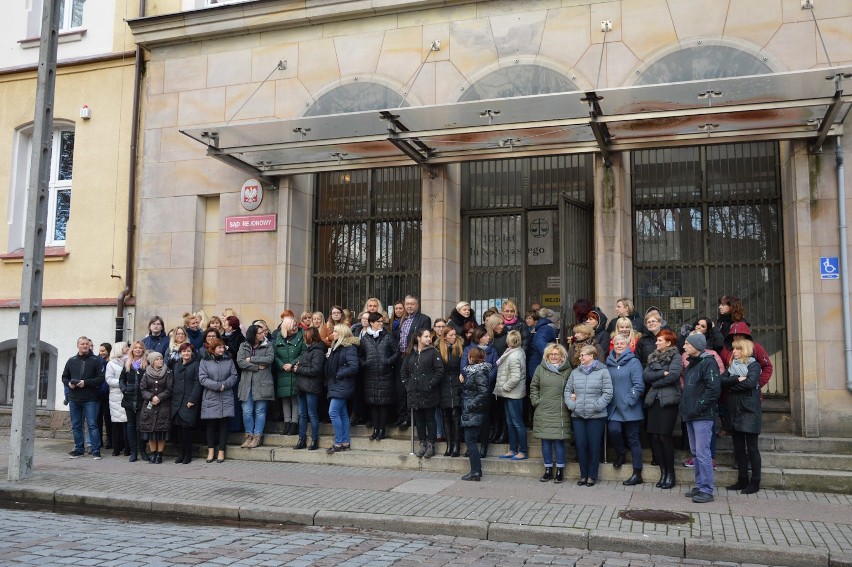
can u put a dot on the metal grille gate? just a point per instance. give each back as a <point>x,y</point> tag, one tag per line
<point>707,222</point>
<point>367,236</point>
<point>506,204</point>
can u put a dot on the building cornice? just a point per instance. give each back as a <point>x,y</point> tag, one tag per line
<point>261,15</point>
<point>121,57</point>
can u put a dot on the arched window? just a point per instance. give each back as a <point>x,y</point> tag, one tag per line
<point>356,97</point>
<point>518,80</point>
<point>702,62</point>
<point>46,373</point>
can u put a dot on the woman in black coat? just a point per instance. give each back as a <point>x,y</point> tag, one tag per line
<point>742,380</point>
<point>451,349</point>
<point>422,372</point>
<point>475,392</point>
<point>378,353</point>
<point>131,399</point>
<point>341,371</point>
<point>186,398</point>
<point>155,418</point>
<point>310,374</point>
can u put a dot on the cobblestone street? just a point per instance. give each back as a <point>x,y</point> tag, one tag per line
<point>45,538</point>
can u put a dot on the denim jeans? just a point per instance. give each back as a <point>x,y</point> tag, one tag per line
<point>515,424</point>
<point>254,415</point>
<point>631,428</point>
<point>339,420</point>
<point>588,433</point>
<point>89,411</point>
<point>308,404</point>
<point>700,434</point>
<point>550,446</point>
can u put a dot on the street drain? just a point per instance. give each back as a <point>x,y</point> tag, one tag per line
<point>655,516</point>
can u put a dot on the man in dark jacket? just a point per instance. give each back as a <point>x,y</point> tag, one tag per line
<point>83,375</point>
<point>404,335</point>
<point>698,403</point>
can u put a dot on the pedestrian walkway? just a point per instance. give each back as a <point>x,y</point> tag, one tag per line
<point>772,527</point>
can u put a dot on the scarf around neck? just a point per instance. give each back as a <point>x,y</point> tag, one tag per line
<point>739,368</point>
<point>154,373</point>
<point>589,368</point>
<point>663,357</point>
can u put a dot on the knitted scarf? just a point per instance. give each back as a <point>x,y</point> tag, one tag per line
<point>664,357</point>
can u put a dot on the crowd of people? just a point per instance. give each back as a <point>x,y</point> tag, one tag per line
<point>461,380</point>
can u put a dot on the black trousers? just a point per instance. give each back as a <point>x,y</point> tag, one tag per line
<point>379,416</point>
<point>217,433</point>
<point>746,452</point>
<point>424,420</point>
<point>471,434</point>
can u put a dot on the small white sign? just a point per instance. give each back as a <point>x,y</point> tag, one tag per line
<point>539,238</point>
<point>251,194</point>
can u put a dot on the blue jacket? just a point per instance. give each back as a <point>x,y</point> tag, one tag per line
<point>160,343</point>
<point>545,333</point>
<point>490,357</point>
<point>341,369</point>
<point>628,384</point>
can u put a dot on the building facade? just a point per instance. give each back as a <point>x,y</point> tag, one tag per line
<point>539,151</point>
<point>87,232</point>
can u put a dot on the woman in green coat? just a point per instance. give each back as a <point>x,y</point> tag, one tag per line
<point>551,421</point>
<point>289,346</point>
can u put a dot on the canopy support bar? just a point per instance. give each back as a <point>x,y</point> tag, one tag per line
<point>599,129</point>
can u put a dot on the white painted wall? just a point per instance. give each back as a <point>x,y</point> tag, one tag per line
<point>98,21</point>
<point>61,326</point>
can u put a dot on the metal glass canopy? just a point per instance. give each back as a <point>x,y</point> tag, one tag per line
<point>803,104</point>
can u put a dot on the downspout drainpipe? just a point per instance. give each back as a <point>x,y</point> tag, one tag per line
<point>844,266</point>
<point>131,192</point>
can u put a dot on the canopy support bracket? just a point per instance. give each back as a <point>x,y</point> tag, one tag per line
<point>830,115</point>
<point>599,129</point>
<point>413,148</point>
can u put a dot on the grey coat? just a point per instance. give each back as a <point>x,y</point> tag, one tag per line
<point>259,382</point>
<point>213,373</point>
<point>512,375</point>
<point>661,386</point>
<point>594,392</point>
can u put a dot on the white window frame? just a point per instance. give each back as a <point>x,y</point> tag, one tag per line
<point>20,179</point>
<point>68,13</point>
<point>210,3</point>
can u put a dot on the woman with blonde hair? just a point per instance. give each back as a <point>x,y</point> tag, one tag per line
<point>511,386</point>
<point>624,327</point>
<point>177,337</point>
<point>117,413</point>
<point>341,370</point>
<point>451,349</point>
<point>318,323</point>
<point>551,421</point>
<point>131,398</point>
<point>742,380</point>
<point>192,327</point>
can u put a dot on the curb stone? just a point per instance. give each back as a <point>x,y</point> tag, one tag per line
<point>87,499</point>
<point>539,535</point>
<point>637,543</point>
<point>406,524</point>
<point>277,515</point>
<point>741,552</point>
<point>840,560</point>
<point>188,508</point>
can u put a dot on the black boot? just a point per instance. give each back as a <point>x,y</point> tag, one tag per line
<point>375,434</point>
<point>548,474</point>
<point>752,487</point>
<point>474,476</point>
<point>741,483</point>
<point>159,458</point>
<point>483,451</point>
<point>314,444</point>
<point>560,475</point>
<point>619,460</point>
<point>382,434</point>
<point>179,460</point>
<point>669,481</point>
<point>662,478</point>
<point>502,434</point>
<point>635,479</point>
<point>448,433</point>
<point>301,444</point>
<point>143,455</point>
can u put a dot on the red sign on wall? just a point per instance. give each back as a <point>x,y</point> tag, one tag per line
<point>251,223</point>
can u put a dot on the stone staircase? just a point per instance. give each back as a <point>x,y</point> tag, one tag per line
<point>789,462</point>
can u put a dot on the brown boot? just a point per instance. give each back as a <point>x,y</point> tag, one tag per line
<point>255,441</point>
<point>247,443</point>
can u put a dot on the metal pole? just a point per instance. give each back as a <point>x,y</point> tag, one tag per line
<point>32,279</point>
<point>844,258</point>
<point>411,417</point>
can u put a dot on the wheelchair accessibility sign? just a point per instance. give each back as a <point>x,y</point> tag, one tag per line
<point>829,268</point>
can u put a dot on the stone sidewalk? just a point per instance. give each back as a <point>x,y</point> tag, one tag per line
<point>772,527</point>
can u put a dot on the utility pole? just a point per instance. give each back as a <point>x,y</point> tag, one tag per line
<point>22,438</point>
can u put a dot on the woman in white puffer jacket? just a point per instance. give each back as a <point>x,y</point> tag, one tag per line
<point>117,358</point>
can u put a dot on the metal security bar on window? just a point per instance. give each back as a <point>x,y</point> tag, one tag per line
<point>368,236</point>
<point>707,222</point>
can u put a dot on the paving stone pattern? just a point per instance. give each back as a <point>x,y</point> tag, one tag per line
<point>48,539</point>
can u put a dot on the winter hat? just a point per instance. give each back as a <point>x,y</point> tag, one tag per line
<point>698,341</point>
<point>153,355</point>
<point>461,304</point>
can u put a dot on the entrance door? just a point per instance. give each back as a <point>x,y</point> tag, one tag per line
<point>576,263</point>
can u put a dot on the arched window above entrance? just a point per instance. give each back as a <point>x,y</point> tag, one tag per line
<point>356,97</point>
<point>518,80</point>
<point>702,62</point>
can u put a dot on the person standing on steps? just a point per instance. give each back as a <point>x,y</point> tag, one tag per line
<point>742,381</point>
<point>378,354</point>
<point>475,393</point>
<point>410,323</point>
<point>186,401</point>
<point>625,410</point>
<point>257,387</point>
<point>701,389</point>
<point>422,372</point>
<point>451,350</point>
<point>662,384</point>
<point>551,420</point>
<point>217,375</point>
<point>288,347</point>
<point>341,371</point>
<point>511,386</point>
<point>310,375</point>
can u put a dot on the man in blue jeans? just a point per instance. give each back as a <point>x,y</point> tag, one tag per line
<point>698,404</point>
<point>83,376</point>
